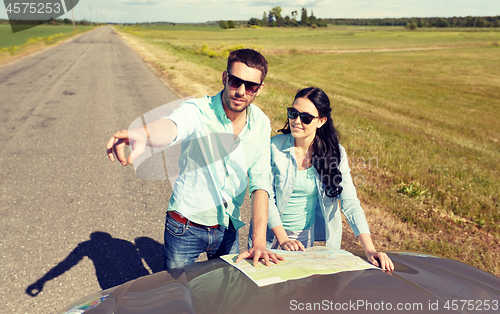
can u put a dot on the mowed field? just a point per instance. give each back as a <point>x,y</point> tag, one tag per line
<point>418,112</point>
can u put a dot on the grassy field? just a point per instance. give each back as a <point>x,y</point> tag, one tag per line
<point>320,39</point>
<point>13,45</point>
<point>9,39</point>
<point>418,112</point>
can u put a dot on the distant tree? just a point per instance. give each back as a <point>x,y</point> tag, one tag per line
<point>276,12</point>
<point>275,15</point>
<point>270,17</point>
<point>467,22</point>
<point>322,23</point>
<point>420,23</point>
<point>265,20</point>
<point>230,24</point>
<point>411,25</point>
<point>254,21</point>
<point>288,21</point>
<point>223,24</point>
<point>293,21</point>
<point>280,21</point>
<point>313,20</point>
<point>442,23</point>
<point>496,23</point>
<point>481,22</point>
<point>304,20</point>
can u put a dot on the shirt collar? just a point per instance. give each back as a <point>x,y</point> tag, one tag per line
<point>221,114</point>
<point>288,145</point>
<point>218,108</point>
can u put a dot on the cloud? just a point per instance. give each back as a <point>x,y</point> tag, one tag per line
<point>139,2</point>
<point>212,1</point>
<point>261,3</point>
<point>289,3</point>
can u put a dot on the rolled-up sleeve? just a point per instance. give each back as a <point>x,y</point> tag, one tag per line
<point>274,218</point>
<point>186,118</point>
<point>259,172</point>
<point>349,202</point>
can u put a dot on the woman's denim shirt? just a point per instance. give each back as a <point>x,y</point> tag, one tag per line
<point>328,220</point>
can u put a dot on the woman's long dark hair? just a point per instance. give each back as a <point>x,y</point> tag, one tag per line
<point>326,149</point>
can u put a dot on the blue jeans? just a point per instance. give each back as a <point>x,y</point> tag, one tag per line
<point>184,242</point>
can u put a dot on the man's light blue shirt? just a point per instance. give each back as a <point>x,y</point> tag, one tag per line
<point>215,168</point>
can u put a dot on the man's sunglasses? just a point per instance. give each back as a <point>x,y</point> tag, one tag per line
<point>305,117</point>
<point>235,82</point>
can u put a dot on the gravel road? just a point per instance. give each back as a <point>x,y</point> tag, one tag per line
<point>72,222</point>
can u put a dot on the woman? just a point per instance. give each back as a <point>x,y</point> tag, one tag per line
<point>310,177</point>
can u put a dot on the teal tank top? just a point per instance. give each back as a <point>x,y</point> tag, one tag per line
<point>299,214</point>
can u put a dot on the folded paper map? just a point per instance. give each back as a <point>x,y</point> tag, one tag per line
<point>297,264</point>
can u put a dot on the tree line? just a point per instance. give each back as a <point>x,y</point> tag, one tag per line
<point>413,23</point>
<point>274,18</point>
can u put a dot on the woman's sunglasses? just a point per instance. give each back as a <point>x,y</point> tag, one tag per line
<point>235,82</point>
<point>305,117</point>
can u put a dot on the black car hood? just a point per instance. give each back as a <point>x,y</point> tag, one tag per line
<point>420,283</point>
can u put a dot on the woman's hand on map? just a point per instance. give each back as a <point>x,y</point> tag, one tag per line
<point>293,245</point>
<point>380,259</point>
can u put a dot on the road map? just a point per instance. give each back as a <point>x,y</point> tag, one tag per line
<point>297,264</point>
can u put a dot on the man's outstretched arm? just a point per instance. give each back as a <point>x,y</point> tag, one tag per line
<point>260,206</point>
<point>160,132</point>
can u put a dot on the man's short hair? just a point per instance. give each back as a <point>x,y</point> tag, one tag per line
<point>251,58</point>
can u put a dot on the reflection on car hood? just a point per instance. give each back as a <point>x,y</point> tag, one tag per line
<point>420,283</point>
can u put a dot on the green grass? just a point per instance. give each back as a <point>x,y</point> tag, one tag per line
<point>13,45</point>
<point>9,39</point>
<point>320,39</point>
<point>421,127</point>
<point>428,116</point>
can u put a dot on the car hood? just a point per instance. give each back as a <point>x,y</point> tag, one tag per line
<point>420,283</point>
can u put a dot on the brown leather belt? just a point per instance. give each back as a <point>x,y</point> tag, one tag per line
<point>175,216</point>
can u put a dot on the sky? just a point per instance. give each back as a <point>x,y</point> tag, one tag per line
<point>196,11</point>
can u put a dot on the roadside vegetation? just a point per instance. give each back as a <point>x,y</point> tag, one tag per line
<point>418,113</point>
<point>14,45</point>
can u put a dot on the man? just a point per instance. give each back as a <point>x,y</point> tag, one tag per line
<point>224,143</point>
